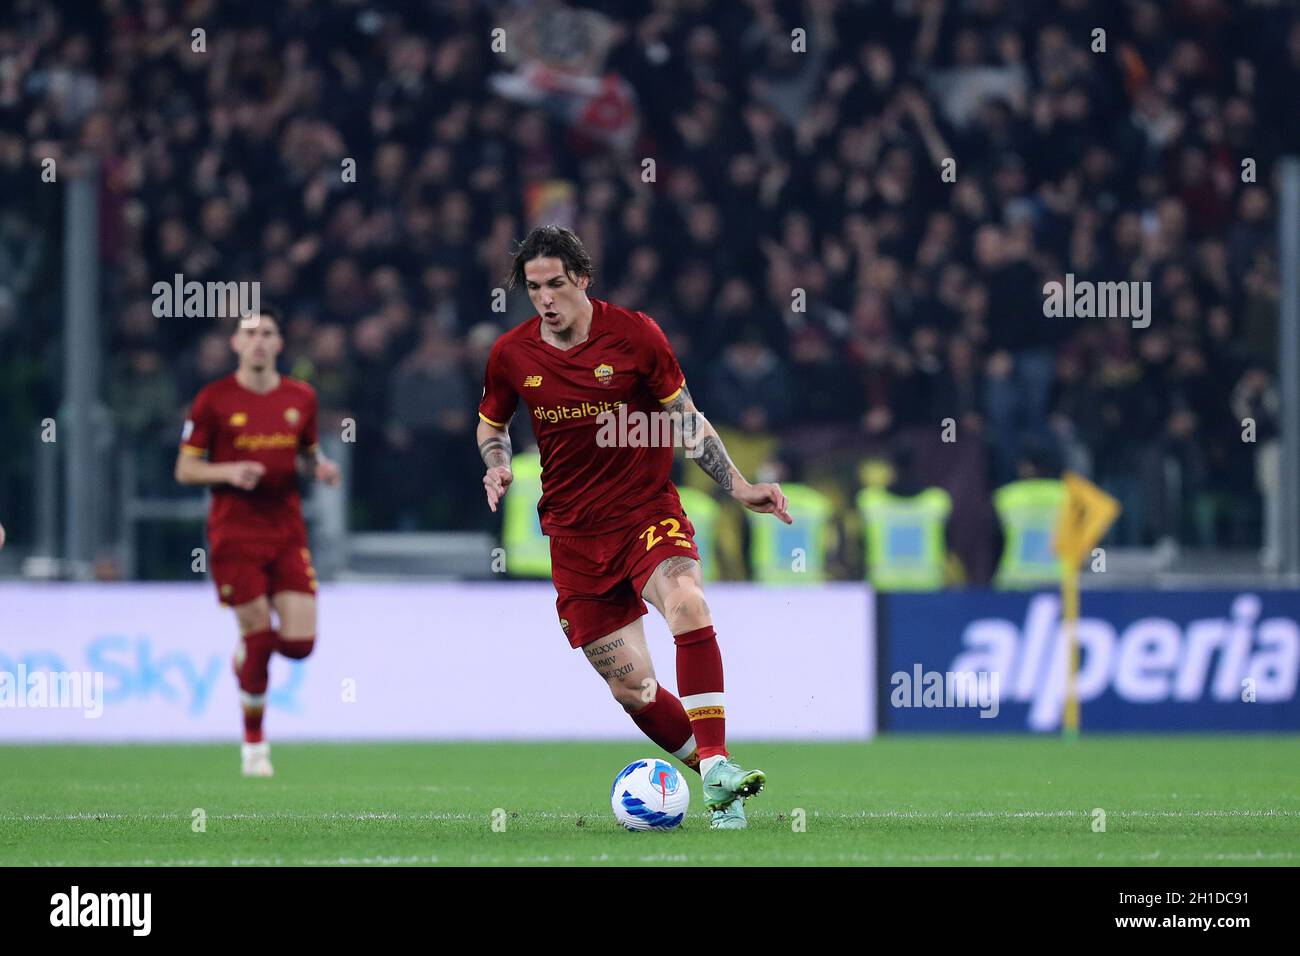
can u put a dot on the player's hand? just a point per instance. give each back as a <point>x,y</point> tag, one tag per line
<point>327,471</point>
<point>766,498</point>
<point>496,481</point>
<point>245,474</point>
<point>2,536</point>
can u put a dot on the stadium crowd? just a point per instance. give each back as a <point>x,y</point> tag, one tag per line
<point>825,284</point>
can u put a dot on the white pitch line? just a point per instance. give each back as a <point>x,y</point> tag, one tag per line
<point>1014,814</point>
<point>269,815</point>
<point>547,815</point>
<point>781,859</point>
<point>697,858</point>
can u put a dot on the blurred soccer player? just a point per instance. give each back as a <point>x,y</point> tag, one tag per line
<point>257,429</point>
<point>618,534</point>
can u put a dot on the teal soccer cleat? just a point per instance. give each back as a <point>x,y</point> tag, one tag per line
<point>730,817</point>
<point>726,781</point>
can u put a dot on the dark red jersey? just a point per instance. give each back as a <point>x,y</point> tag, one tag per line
<point>228,422</point>
<point>589,488</point>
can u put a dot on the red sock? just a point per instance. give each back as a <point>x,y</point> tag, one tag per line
<point>665,722</point>
<point>253,669</point>
<point>295,647</point>
<point>699,681</point>
<point>253,724</point>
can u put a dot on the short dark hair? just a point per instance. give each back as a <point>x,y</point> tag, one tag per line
<point>544,242</point>
<point>268,309</point>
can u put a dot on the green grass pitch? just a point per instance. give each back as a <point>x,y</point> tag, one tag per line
<point>898,800</point>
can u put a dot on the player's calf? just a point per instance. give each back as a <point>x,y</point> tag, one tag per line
<point>622,659</point>
<point>664,721</point>
<point>252,671</point>
<point>633,690</point>
<point>676,589</point>
<point>252,661</point>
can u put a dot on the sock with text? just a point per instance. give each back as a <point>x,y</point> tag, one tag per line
<point>665,722</point>
<point>699,681</point>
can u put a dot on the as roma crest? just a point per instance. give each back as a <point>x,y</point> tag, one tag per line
<point>604,374</point>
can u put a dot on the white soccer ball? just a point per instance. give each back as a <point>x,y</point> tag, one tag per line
<point>649,794</point>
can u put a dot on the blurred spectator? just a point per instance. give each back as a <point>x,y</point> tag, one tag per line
<point>917,175</point>
<point>750,389</point>
<point>1255,405</point>
<point>431,404</point>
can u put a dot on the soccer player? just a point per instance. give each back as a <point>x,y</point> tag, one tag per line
<point>618,534</point>
<point>257,429</point>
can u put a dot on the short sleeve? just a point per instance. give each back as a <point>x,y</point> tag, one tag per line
<point>663,375</point>
<point>307,438</point>
<point>499,399</point>
<point>200,426</point>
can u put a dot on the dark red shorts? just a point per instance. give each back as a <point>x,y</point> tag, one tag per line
<point>246,570</point>
<point>598,579</point>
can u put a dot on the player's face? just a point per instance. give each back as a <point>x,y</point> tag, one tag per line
<point>557,297</point>
<point>259,345</point>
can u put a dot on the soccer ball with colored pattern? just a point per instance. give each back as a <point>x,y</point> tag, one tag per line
<point>649,794</point>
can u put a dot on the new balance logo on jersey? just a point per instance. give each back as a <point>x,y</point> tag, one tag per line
<point>532,381</point>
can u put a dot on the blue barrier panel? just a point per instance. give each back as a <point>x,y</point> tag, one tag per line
<point>1149,661</point>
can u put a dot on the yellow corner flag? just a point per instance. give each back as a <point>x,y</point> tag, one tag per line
<point>1089,512</point>
<point>1087,516</point>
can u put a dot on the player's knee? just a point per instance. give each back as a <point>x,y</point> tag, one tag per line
<point>254,616</point>
<point>630,691</point>
<point>686,608</point>
<point>296,647</point>
<point>627,700</point>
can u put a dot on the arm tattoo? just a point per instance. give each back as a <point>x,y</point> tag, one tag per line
<point>678,404</point>
<point>306,465</point>
<point>495,451</point>
<point>713,461</point>
<point>708,452</point>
